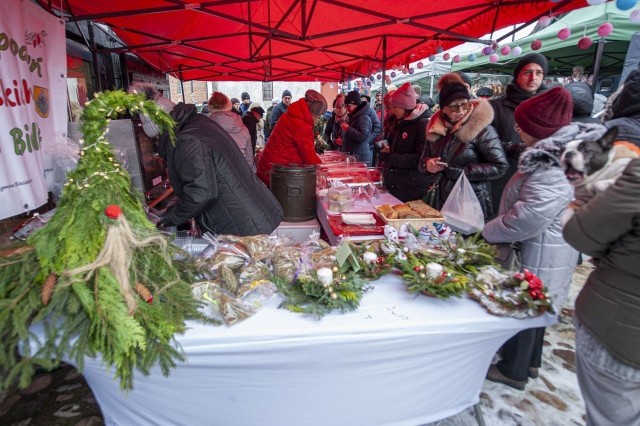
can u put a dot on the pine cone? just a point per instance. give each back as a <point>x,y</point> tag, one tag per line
<point>48,287</point>
<point>144,293</point>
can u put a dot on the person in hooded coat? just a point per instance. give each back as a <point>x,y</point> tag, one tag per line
<point>292,140</point>
<point>405,146</point>
<point>221,113</point>
<point>582,96</point>
<point>214,183</point>
<point>625,110</point>
<point>460,139</point>
<point>531,213</point>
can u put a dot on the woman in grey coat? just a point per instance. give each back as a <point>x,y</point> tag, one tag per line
<point>531,208</point>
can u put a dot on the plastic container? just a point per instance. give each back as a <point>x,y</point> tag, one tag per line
<point>340,206</point>
<point>342,193</point>
<point>294,186</point>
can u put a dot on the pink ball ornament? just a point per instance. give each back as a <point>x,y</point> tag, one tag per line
<point>446,56</point>
<point>584,43</point>
<point>387,80</point>
<point>457,59</point>
<point>605,29</point>
<point>536,44</point>
<point>625,4</point>
<point>564,33</point>
<point>635,17</point>
<point>487,50</point>
<point>544,21</point>
<point>505,50</point>
<point>405,70</point>
<point>420,65</point>
<point>494,58</point>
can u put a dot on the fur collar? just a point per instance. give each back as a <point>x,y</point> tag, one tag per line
<point>480,116</point>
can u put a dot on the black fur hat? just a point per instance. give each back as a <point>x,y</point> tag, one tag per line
<point>626,103</point>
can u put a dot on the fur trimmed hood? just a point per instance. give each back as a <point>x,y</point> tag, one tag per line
<point>546,152</point>
<point>467,129</point>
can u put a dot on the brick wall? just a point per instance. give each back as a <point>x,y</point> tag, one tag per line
<point>195,92</point>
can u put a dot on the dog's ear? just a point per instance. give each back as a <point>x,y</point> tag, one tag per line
<point>607,140</point>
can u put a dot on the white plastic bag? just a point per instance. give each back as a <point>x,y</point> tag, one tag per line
<point>462,210</point>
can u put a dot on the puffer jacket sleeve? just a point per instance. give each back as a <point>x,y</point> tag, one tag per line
<point>376,126</point>
<point>412,160</point>
<point>608,216</point>
<point>540,199</point>
<point>191,162</point>
<point>359,128</point>
<point>494,162</point>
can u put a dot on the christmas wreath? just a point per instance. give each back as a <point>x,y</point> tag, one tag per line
<point>98,277</point>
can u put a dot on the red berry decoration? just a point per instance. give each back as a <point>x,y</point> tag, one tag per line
<point>416,268</point>
<point>113,211</point>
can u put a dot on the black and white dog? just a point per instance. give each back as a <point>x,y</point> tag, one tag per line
<point>593,165</point>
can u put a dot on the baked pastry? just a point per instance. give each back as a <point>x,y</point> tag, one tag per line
<point>387,211</point>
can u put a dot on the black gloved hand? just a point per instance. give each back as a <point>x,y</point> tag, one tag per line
<point>453,172</point>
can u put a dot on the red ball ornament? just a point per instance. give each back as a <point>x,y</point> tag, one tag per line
<point>605,29</point>
<point>536,44</point>
<point>420,65</point>
<point>584,43</point>
<point>505,50</point>
<point>113,211</point>
<point>446,56</point>
<point>564,33</point>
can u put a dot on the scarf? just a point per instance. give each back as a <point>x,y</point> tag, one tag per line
<point>517,95</point>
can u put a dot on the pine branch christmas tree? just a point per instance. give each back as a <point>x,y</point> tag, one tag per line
<point>100,277</point>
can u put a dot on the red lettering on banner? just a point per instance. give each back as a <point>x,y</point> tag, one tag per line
<point>20,94</point>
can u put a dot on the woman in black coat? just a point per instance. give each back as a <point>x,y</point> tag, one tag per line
<point>460,139</point>
<point>406,140</point>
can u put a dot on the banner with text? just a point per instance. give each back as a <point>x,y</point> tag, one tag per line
<point>32,101</point>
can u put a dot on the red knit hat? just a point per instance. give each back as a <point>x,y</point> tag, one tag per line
<point>404,97</point>
<point>542,115</point>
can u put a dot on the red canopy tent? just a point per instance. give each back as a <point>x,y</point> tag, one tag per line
<point>297,40</point>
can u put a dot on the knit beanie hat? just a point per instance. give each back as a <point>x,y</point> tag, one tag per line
<point>544,114</point>
<point>451,87</point>
<point>626,103</point>
<point>235,101</point>
<point>404,97</point>
<point>353,98</point>
<point>316,102</point>
<point>245,95</point>
<point>219,101</point>
<point>286,93</point>
<point>465,78</point>
<point>531,58</point>
<point>484,91</point>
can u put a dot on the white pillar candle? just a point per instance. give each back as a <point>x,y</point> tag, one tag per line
<point>370,257</point>
<point>434,270</point>
<point>325,276</point>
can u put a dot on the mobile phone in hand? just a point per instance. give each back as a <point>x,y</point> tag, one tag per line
<point>440,163</point>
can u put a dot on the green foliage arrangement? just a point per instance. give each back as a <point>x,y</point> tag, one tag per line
<point>417,278</point>
<point>82,303</point>
<point>469,254</point>
<point>309,295</point>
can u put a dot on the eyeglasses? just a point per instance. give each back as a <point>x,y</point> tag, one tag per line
<point>456,107</point>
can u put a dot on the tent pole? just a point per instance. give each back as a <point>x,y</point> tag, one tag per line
<point>596,64</point>
<point>182,90</point>
<point>384,74</point>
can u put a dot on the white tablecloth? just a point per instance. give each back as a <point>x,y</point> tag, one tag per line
<point>400,359</point>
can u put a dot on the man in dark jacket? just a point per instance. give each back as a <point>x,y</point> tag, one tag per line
<point>246,103</point>
<point>376,125</point>
<point>213,181</point>
<point>528,76</point>
<point>250,121</point>
<point>280,109</point>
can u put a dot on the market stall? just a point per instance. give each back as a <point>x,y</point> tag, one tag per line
<point>400,359</point>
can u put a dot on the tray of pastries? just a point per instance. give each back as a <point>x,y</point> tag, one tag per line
<point>416,213</point>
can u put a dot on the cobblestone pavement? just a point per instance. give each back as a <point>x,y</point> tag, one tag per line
<point>63,398</point>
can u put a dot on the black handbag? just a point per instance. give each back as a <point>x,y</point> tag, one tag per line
<point>509,256</point>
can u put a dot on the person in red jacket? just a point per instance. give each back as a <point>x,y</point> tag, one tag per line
<point>291,140</point>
